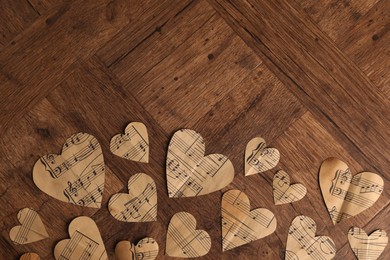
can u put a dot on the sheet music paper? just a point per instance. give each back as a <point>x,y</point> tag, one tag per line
<point>240,225</point>
<point>85,242</point>
<point>139,205</point>
<point>133,144</point>
<point>367,247</point>
<point>30,256</point>
<point>189,172</point>
<point>259,158</point>
<point>284,192</point>
<point>183,240</point>
<point>76,175</point>
<point>303,244</point>
<point>146,249</point>
<point>30,230</point>
<point>346,196</point>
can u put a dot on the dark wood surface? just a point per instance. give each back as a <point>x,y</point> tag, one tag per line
<point>311,77</point>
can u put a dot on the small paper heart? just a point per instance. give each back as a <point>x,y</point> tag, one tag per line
<point>147,248</point>
<point>284,192</point>
<point>367,247</point>
<point>30,256</point>
<point>259,158</point>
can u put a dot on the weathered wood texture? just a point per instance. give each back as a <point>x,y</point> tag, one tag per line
<point>311,77</point>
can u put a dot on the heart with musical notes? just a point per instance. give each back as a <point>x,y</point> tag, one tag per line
<point>139,205</point>
<point>184,240</point>
<point>189,172</point>
<point>240,225</point>
<point>76,175</point>
<point>133,144</point>
<point>259,158</point>
<point>284,192</point>
<point>367,247</point>
<point>30,256</point>
<point>147,248</point>
<point>303,244</point>
<point>345,195</point>
<point>85,241</point>
<point>30,230</point>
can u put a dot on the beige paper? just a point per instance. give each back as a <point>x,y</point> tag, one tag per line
<point>258,158</point>
<point>139,205</point>
<point>240,225</point>
<point>183,240</point>
<point>133,145</point>
<point>146,249</point>
<point>30,230</point>
<point>303,244</point>
<point>367,247</point>
<point>189,172</point>
<point>284,192</point>
<point>85,242</point>
<point>346,196</point>
<point>30,256</point>
<point>77,175</point>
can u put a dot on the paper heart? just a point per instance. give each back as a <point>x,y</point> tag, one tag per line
<point>367,247</point>
<point>346,196</point>
<point>77,175</point>
<point>284,192</point>
<point>189,172</point>
<point>147,248</point>
<point>183,240</point>
<point>30,230</point>
<point>303,244</point>
<point>133,145</point>
<point>85,241</point>
<point>139,205</point>
<point>258,158</point>
<point>30,256</point>
<point>240,225</point>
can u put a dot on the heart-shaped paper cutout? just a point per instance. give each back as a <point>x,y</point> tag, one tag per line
<point>133,144</point>
<point>284,192</point>
<point>189,172</point>
<point>183,240</point>
<point>85,241</point>
<point>303,244</point>
<point>240,225</point>
<point>77,175</point>
<point>259,158</point>
<point>346,196</point>
<point>367,247</point>
<point>139,205</point>
<point>30,230</point>
<point>147,248</point>
<point>30,256</point>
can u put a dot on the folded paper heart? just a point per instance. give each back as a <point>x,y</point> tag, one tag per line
<point>77,175</point>
<point>367,247</point>
<point>284,192</point>
<point>139,205</point>
<point>147,248</point>
<point>240,225</point>
<point>346,196</point>
<point>183,240</point>
<point>303,244</point>
<point>133,144</point>
<point>85,241</point>
<point>259,158</point>
<point>189,172</point>
<point>30,256</point>
<point>30,230</point>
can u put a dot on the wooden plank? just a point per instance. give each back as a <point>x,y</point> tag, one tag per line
<point>43,6</point>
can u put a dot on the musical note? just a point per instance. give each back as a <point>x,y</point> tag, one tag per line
<point>367,247</point>
<point>284,192</point>
<point>258,158</point>
<point>146,249</point>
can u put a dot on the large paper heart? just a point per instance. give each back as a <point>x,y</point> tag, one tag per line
<point>303,244</point>
<point>30,256</point>
<point>139,205</point>
<point>240,225</point>
<point>259,158</point>
<point>133,144</point>
<point>77,175</point>
<point>189,172</point>
<point>367,247</point>
<point>183,240</point>
<point>346,196</point>
<point>146,249</point>
<point>30,230</point>
<point>284,192</point>
<point>85,241</point>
